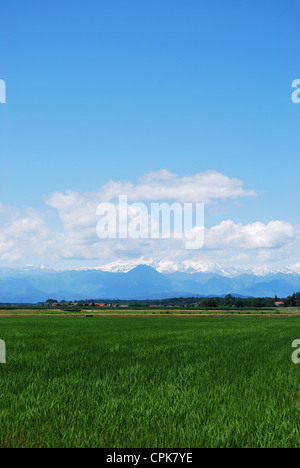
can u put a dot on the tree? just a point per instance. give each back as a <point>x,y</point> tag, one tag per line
<point>209,303</point>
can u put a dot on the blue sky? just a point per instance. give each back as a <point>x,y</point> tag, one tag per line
<point>113,90</point>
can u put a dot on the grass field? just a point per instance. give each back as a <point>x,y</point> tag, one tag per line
<point>158,383</point>
<point>293,312</point>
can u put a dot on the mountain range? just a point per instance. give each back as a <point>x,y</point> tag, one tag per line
<point>192,266</point>
<point>30,284</point>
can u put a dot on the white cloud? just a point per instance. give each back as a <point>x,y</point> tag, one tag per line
<point>22,233</point>
<point>204,187</point>
<point>252,236</point>
<point>77,210</point>
<point>28,234</point>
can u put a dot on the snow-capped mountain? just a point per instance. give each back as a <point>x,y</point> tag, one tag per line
<point>164,266</point>
<point>292,269</point>
<point>34,268</point>
<point>144,281</point>
<point>192,267</point>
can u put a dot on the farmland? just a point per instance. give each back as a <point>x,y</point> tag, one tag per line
<point>107,312</point>
<point>157,382</point>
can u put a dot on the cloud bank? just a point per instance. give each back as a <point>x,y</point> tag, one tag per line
<point>30,235</point>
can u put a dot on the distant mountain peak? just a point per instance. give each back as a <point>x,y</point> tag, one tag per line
<point>143,280</point>
<point>143,268</point>
<point>192,267</point>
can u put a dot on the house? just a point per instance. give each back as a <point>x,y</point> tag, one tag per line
<point>279,304</point>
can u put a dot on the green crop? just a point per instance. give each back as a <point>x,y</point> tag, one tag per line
<point>153,382</point>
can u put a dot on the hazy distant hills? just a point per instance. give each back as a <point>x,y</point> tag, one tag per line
<point>142,282</point>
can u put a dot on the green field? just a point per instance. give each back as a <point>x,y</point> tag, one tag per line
<point>157,382</point>
<point>27,311</point>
